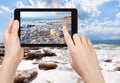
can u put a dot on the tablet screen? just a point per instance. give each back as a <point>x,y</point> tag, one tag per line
<point>44,27</point>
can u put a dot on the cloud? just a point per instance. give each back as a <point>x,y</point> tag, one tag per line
<point>45,14</point>
<point>20,4</point>
<point>118,15</point>
<point>46,3</point>
<point>86,8</point>
<point>119,4</point>
<point>0,12</point>
<point>111,23</point>
<point>6,9</point>
<point>1,37</point>
<point>103,33</point>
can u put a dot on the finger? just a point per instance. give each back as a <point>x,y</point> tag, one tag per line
<point>8,30</point>
<point>15,28</point>
<point>76,39</point>
<point>83,40</point>
<point>70,57</point>
<point>68,39</point>
<point>89,43</point>
<point>21,53</point>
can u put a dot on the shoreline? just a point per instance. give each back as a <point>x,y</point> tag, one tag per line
<point>109,61</point>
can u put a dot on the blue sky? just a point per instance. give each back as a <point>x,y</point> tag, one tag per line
<point>98,19</point>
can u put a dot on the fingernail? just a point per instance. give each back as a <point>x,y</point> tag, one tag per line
<point>16,22</point>
<point>64,26</point>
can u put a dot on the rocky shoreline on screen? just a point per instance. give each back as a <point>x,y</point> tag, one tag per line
<point>48,33</point>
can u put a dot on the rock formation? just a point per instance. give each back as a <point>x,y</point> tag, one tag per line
<point>46,65</point>
<point>25,76</point>
<point>39,54</point>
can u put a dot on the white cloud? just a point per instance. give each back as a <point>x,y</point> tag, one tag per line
<point>32,2</point>
<point>34,14</point>
<point>119,4</point>
<point>86,8</point>
<point>19,4</point>
<point>44,14</point>
<point>100,32</point>
<point>0,12</point>
<point>1,37</point>
<point>118,15</point>
<point>111,23</point>
<point>46,3</point>
<point>6,9</point>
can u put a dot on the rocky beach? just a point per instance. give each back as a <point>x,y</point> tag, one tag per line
<point>44,31</point>
<point>51,65</point>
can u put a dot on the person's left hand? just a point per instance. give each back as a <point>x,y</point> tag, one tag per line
<point>13,53</point>
<point>13,50</point>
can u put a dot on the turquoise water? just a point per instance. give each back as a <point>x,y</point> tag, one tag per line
<point>116,42</point>
<point>37,19</point>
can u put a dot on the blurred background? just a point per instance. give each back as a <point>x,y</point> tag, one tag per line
<point>98,20</point>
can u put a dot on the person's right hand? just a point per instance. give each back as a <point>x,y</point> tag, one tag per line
<point>83,58</point>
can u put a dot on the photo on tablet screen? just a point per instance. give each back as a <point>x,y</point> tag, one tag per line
<point>44,27</point>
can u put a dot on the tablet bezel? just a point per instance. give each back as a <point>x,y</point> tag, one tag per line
<point>73,23</point>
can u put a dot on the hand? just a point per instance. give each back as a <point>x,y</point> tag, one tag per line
<point>13,51</point>
<point>83,58</point>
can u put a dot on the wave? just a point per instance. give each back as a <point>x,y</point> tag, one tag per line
<point>107,46</point>
<point>116,42</point>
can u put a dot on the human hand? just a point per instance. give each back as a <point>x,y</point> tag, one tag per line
<point>13,50</point>
<point>13,53</point>
<point>83,58</point>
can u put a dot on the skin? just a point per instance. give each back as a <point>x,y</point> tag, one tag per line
<point>13,53</point>
<point>81,52</point>
<point>83,58</point>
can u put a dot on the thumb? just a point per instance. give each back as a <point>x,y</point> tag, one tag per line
<point>21,55</point>
<point>15,28</point>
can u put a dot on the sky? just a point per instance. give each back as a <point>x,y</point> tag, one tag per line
<point>46,14</point>
<point>97,19</point>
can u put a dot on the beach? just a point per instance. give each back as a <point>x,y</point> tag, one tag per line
<point>108,56</point>
<point>109,61</point>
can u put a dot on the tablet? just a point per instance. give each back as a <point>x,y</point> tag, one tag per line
<point>43,27</point>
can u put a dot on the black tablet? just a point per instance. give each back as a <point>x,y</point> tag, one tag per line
<point>43,27</point>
